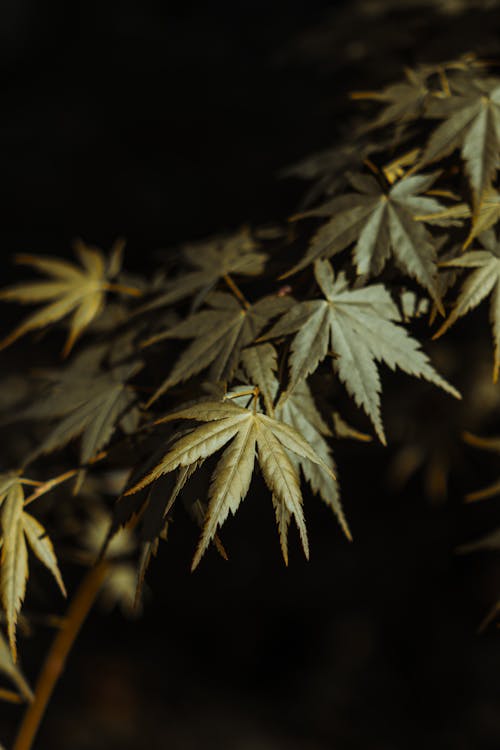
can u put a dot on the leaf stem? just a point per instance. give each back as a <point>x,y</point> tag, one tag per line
<point>49,484</point>
<point>236,290</point>
<point>56,658</point>
<point>379,176</point>
<point>10,696</point>
<point>120,288</point>
<point>444,81</point>
<point>374,95</point>
<point>255,397</point>
<point>240,394</point>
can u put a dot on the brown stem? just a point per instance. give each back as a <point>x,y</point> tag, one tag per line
<point>236,291</point>
<point>239,394</point>
<point>444,82</point>
<point>121,289</point>
<point>10,696</point>
<point>44,487</point>
<point>56,658</point>
<point>375,95</point>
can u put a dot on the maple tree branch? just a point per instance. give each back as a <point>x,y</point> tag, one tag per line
<point>56,658</point>
<point>236,290</point>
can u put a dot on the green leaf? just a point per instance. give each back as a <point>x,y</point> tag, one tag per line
<point>299,411</point>
<point>482,282</point>
<point>42,547</point>
<point>248,429</point>
<point>486,215</point>
<point>89,403</point>
<point>260,363</point>
<point>14,563</point>
<point>213,260</point>
<point>16,527</point>
<point>471,123</point>
<point>404,101</point>
<point>380,223</point>
<point>360,326</point>
<point>220,334</point>
<point>71,289</point>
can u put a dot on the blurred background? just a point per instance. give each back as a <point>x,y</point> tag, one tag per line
<point>164,122</point>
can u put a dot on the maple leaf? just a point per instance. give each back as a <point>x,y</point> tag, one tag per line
<point>17,526</point>
<point>86,401</point>
<point>404,101</point>
<point>260,363</point>
<point>70,289</point>
<point>299,411</point>
<point>248,430</point>
<point>485,216</point>
<point>329,168</point>
<point>220,334</point>
<point>380,223</point>
<point>358,324</point>
<point>213,260</point>
<point>481,283</point>
<point>471,123</point>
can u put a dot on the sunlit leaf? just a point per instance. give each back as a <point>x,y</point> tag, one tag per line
<point>18,527</point>
<point>248,430</point>
<point>71,289</point>
<point>381,224</point>
<point>482,282</point>
<point>360,326</point>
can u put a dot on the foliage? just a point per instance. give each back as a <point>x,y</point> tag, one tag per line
<point>258,377</point>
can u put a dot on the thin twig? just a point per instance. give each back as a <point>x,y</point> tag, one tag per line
<point>56,658</point>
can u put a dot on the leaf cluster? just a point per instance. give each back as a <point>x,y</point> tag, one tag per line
<point>244,354</point>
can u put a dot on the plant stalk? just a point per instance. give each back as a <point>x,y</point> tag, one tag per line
<point>56,658</point>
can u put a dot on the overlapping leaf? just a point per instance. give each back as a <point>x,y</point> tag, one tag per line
<point>246,431</point>
<point>403,101</point>
<point>220,333</point>
<point>486,215</point>
<point>18,527</point>
<point>482,282</point>
<point>380,223</point>
<point>213,260</point>
<point>90,403</point>
<point>260,363</point>
<point>79,291</point>
<point>299,411</point>
<point>360,326</point>
<point>471,122</point>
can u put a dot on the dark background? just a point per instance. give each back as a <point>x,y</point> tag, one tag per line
<point>166,122</point>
